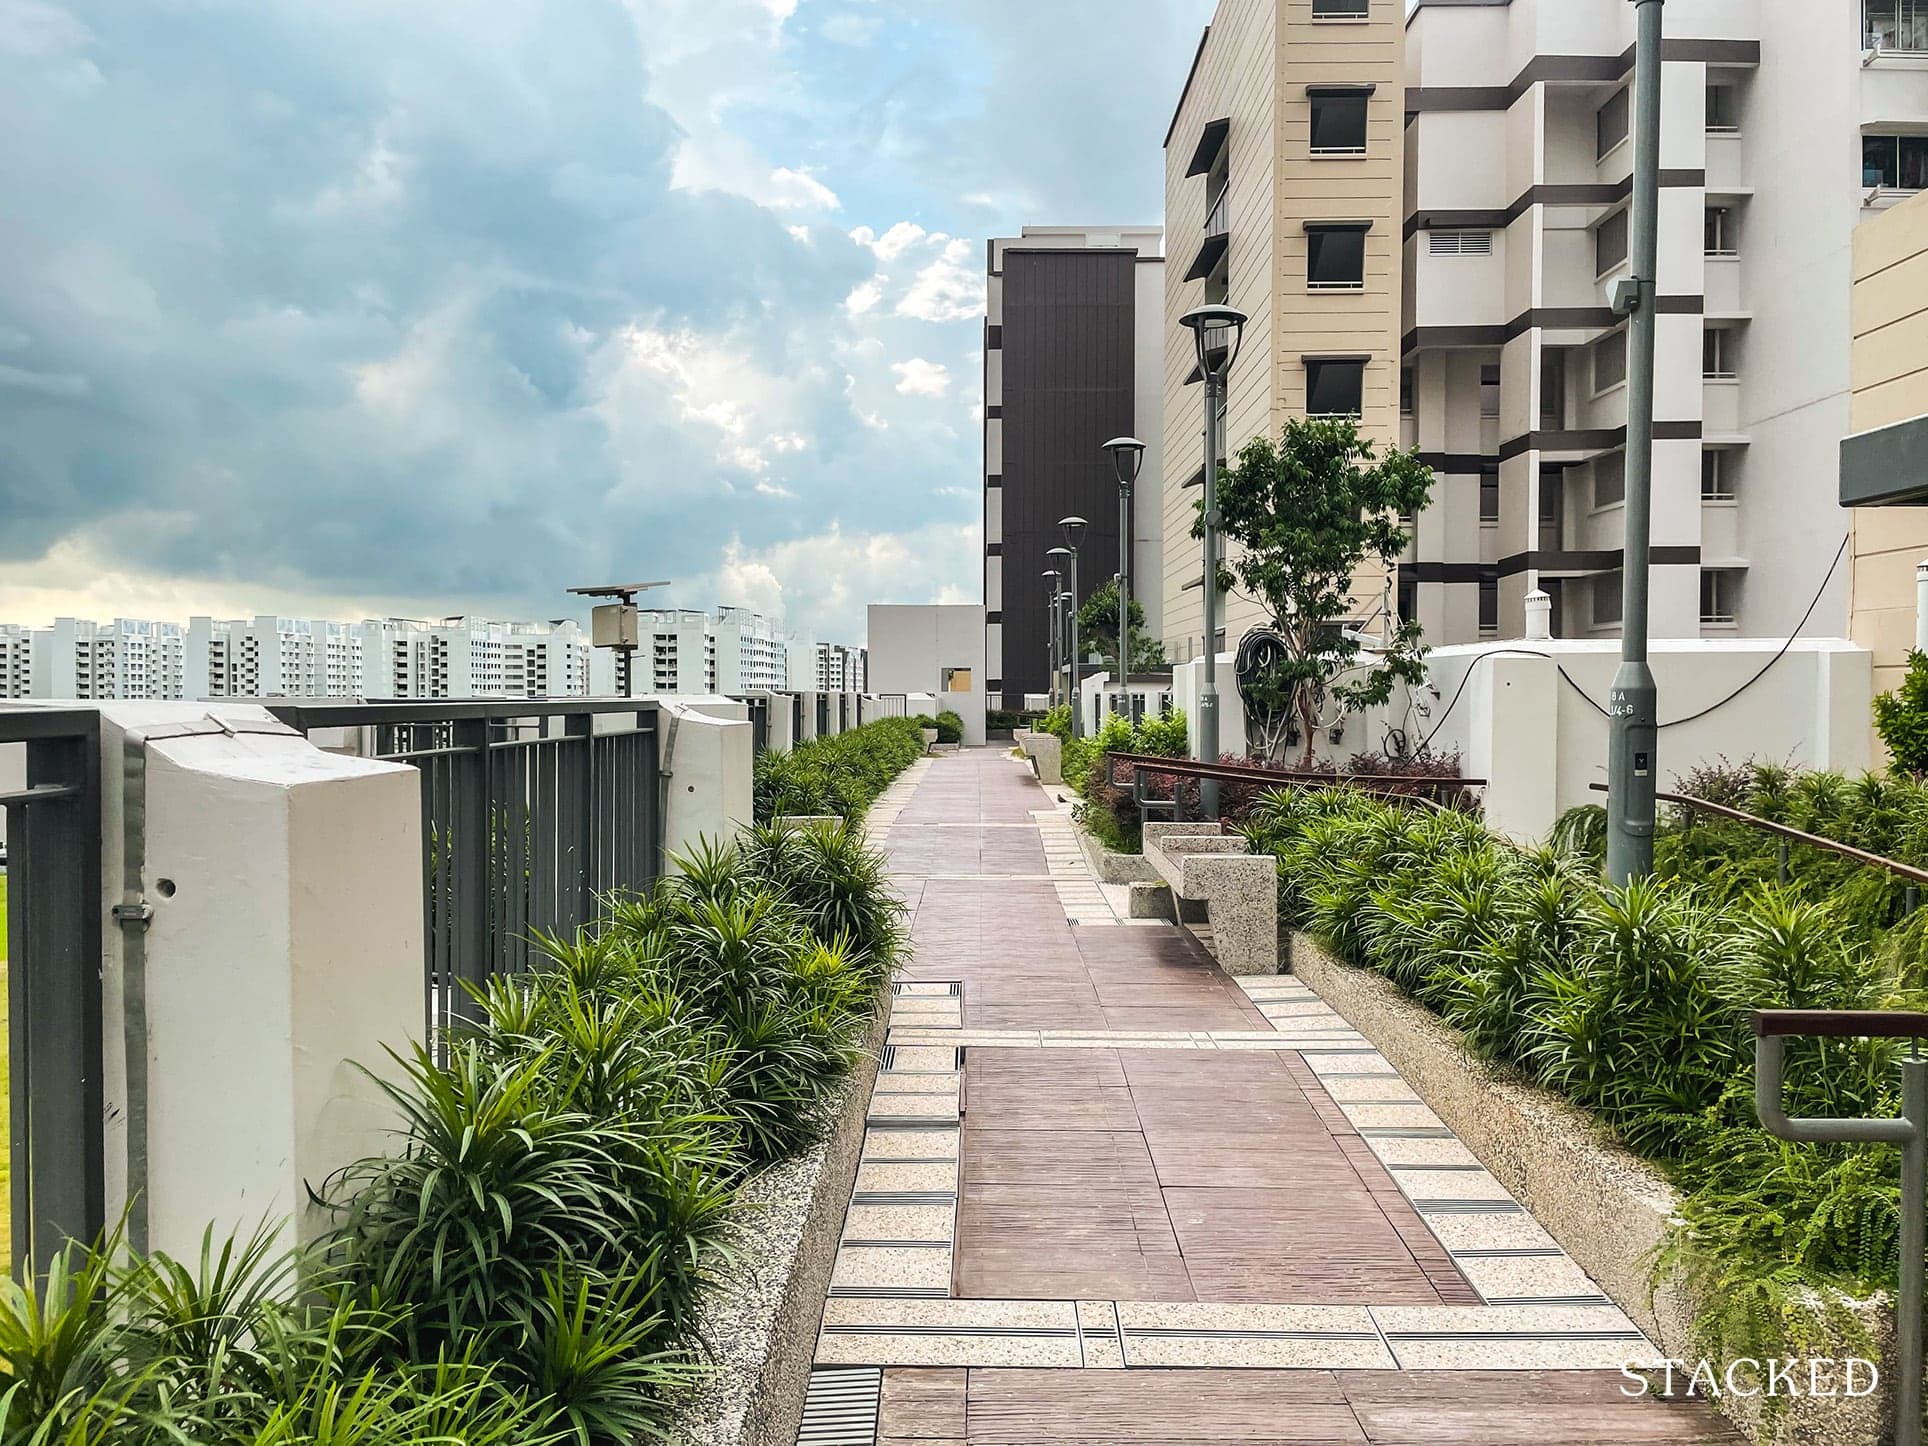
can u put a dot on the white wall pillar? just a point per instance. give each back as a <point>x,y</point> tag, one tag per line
<point>1921,606</point>
<point>285,948</point>
<point>1513,742</point>
<point>709,773</point>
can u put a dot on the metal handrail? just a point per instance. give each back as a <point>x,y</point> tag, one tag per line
<point>1254,773</point>
<point>1793,835</point>
<point>1772,1028</point>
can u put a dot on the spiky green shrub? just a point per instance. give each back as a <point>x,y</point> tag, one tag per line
<point>840,774</point>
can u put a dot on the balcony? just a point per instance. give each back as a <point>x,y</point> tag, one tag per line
<point>1217,215</point>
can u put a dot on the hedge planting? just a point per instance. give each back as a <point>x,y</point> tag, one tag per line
<point>1634,1003</point>
<point>526,1266</point>
<point>840,774</point>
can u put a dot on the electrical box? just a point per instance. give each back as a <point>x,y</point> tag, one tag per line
<point>613,625</point>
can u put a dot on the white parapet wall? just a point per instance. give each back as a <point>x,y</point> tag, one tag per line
<point>284,948</point>
<point>1529,716</point>
<point>709,778</point>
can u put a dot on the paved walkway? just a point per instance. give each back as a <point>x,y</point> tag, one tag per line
<point>1109,1194</point>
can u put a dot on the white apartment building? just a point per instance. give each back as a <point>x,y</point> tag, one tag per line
<point>467,657</point>
<point>269,656</point>
<point>841,669</point>
<point>75,658</point>
<point>733,650</point>
<point>1784,124</point>
<point>16,661</point>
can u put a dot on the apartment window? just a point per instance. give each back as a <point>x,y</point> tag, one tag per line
<point>1719,592</point>
<point>1408,599</point>
<point>1338,121</point>
<point>1553,389</point>
<point>1489,391</point>
<point>1334,388</point>
<point>1723,111</point>
<point>1895,24</point>
<point>1716,481</point>
<point>1405,391</point>
<point>1341,9</point>
<point>1721,233</point>
<point>1610,480</point>
<point>1489,494</point>
<point>1489,603</point>
<point>1609,361</point>
<point>1335,256</point>
<point>1610,243</point>
<point>1218,192</point>
<point>1895,163</point>
<point>1606,599</point>
<point>1460,243</point>
<point>1717,354</point>
<point>1610,123</point>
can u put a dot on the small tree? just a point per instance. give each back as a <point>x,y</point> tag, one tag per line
<point>1098,629</point>
<point>1901,717</point>
<point>1307,512</point>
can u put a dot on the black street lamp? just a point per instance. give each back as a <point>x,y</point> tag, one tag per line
<point>1127,456</point>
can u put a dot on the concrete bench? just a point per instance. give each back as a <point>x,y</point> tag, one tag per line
<point>1046,753</point>
<point>1238,890</point>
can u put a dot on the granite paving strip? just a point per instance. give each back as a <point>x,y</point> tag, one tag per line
<point>1108,1194</point>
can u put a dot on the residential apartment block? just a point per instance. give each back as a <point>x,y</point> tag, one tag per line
<point>1073,357</point>
<point>841,669</point>
<point>1783,126</point>
<point>732,650</point>
<point>270,656</point>
<point>1283,170</point>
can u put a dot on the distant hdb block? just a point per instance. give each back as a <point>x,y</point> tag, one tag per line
<point>613,625</point>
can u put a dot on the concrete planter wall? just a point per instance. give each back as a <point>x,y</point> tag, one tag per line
<point>1607,1208</point>
<point>761,1322</point>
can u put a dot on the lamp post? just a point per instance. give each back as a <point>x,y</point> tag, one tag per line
<point>1067,561</point>
<point>1056,580</point>
<point>1074,531</point>
<point>614,625</point>
<point>1632,701</point>
<point>1127,456</point>
<point>1216,332</point>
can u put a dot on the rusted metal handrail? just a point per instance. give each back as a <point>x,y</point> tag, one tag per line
<point>1254,773</point>
<point>1793,835</point>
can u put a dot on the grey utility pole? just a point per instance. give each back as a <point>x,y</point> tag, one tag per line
<point>1633,703</point>
<point>1127,456</point>
<point>1216,331</point>
<point>1074,531</point>
<point>1053,577</point>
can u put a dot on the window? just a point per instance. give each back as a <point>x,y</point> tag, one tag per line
<point>1489,391</point>
<point>1460,243</point>
<point>1895,24</point>
<point>1489,604</point>
<point>1722,235</point>
<point>1405,391</point>
<point>1895,163</point>
<point>1553,389</point>
<point>1716,355</point>
<point>1552,507</point>
<point>1338,122</point>
<point>1489,494</point>
<point>1610,243</point>
<point>1340,9</point>
<point>1610,480</point>
<point>1218,191</point>
<point>1718,594</point>
<point>1335,257</point>
<point>1408,599</point>
<point>1610,124</point>
<point>957,680</point>
<point>1334,388</point>
<point>1606,599</point>
<point>1609,361</point>
<point>1716,485</point>
<point>1723,111</point>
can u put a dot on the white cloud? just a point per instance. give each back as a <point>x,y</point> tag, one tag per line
<point>849,28</point>
<point>920,378</point>
<point>771,489</point>
<point>894,242</point>
<point>865,295</point>
<point>948,289</point>
<point>799,191</point>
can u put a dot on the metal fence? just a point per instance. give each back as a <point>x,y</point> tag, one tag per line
<point>53,959</point>
<point>530,812</point>
<point>894,705</point>
<point>758,705</point>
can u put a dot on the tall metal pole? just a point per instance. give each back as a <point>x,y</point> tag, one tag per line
<point>1208,688</point>
<point>1077,693</point>
<point>1633,703</point>
<point>1124,598</point>
<point>1051,647</point>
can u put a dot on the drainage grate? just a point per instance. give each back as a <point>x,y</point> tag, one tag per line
<point>889,1292</point>
<point>841,1406</point>
<point>916,986</point>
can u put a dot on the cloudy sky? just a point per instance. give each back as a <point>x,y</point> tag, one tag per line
<point>376,306</point>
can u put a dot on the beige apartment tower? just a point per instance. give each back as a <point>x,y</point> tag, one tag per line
<point>1283,178</point>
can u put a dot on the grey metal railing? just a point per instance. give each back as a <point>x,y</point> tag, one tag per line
<point>530,812</point>
<point>1908,1130</point>
<point>53,961</point>
<point>759,708</point>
